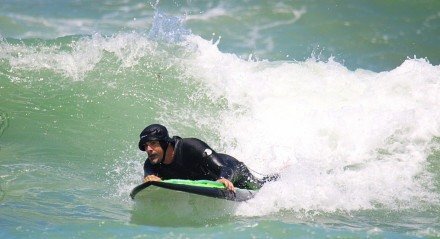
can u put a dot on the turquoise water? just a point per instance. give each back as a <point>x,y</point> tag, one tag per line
<point>341,98</point>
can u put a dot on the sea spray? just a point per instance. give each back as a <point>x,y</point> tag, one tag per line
<point>79,81</point>
<point>342,140</point>
<point>167,28</point>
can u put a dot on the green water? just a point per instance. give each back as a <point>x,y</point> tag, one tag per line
<point>358,150</point>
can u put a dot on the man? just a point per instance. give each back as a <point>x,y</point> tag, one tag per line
<point>190,158</point>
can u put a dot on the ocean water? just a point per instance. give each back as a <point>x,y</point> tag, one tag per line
<point>342,98</point>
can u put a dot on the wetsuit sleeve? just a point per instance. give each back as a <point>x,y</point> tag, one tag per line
<point>208,159</point>
<point>148,169</point>
<point>214,163</point>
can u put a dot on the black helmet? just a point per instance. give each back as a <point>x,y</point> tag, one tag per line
<point>153,132</point>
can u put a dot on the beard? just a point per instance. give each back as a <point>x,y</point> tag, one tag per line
<point>154,158</point>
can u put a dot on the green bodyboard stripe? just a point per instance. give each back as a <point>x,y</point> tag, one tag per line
<point>200,187</point>
<point>199,183</point>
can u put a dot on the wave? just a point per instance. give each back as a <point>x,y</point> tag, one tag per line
<point>342,139</point>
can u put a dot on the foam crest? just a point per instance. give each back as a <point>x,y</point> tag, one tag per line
<point>81,56</point>
<point>342,140</point>
<point>75,59</point>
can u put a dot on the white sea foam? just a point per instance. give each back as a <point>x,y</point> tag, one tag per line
<point>85,54</point>
<point>341,139</point>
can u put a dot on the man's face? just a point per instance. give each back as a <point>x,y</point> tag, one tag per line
<point>154,151</point>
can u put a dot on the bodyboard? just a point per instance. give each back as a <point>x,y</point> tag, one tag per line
<point>201,187</point>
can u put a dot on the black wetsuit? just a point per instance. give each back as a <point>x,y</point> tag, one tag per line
<point>195,160</point>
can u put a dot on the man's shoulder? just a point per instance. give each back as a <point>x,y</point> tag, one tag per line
<point>192,140</point>
<point>187,140</point>
<point>194,143</point>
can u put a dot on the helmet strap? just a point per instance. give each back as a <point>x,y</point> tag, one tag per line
<point>164,146</point>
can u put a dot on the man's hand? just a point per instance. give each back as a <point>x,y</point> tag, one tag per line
<point>152,177</point>
<point>228,184</point>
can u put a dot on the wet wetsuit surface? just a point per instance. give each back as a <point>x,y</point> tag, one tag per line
<point>195,160</point>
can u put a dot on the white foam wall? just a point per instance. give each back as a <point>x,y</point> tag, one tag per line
<point>342,140</point>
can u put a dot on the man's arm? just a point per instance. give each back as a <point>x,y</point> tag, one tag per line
<point>207,158</point>
<point>149,174</point>
<point>151,177</point>
<point>224,173</point>
<point>228,184</point>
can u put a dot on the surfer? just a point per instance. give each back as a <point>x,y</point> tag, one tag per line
<point>193,159</point>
